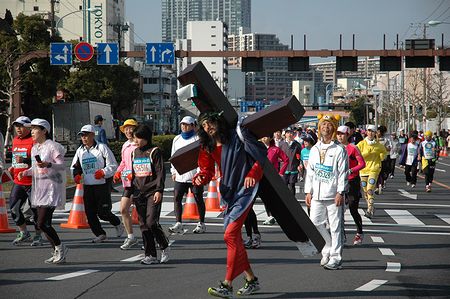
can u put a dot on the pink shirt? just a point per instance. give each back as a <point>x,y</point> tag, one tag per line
<point>355,161</point>
<point>126,165</point>
<point>275,156</point>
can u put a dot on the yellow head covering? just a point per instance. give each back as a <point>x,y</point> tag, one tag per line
<point>428,133</point>
<point>331,118</point>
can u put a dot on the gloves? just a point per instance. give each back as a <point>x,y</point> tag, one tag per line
<point>117,177</point>
<point>99,174</point>
<point>77,179</point>
<point>130,177</point>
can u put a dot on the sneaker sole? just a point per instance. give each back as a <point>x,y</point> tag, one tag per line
<point>212,293</point>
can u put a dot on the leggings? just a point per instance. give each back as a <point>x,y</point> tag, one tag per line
<point>182,188</point>
<point>237,260</point>
<point>429,172</point>
<point>43,219</point>
<point>19,195</point>
<point>251,223</point>
<point>368,183</point>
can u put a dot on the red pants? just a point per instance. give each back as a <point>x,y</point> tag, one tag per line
<point>237,260</point>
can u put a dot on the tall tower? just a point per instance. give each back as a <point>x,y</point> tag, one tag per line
<point>176,14</point>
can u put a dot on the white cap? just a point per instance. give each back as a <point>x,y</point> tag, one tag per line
<point>87,129</point>
<point>22,120</point>
<point>39,122</point>
<point>343,129</point>
<point>372,128</point>
<point>188,120</point>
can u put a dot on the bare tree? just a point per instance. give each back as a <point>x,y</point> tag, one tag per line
<point>439,95</point>
<point>414,93</point>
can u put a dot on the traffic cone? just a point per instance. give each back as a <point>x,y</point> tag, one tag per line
<point>212,199</point>
<point>4,226</point>
<point>443,153</point>
<point>134,216</point>
<point>190,210</point>
<point>77,218</point>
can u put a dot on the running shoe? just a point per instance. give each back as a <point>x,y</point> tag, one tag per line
<point>128,243</point>
<point>250,287</point>
<point>22,237</point>
<point>248,243</point>
<point>324,260</point>
<point>200,228</point>
<point>333,265</point>
<point>177,228</point>
<point>256,241</point>
<point>37,241</point>
<point>368,214</point>
<point>269,221</point>
<point>51,259</point>
<point>119,230</point>
<point>391,176</point>
<point>99,239</point>
<point>222,291</point>
<point>164,256</point>
<point>408,183</point>
<point>60,255</point>
<point>358,239</point>
<point>413,185</point>
<point>428,188</point>
<point>149,260</point>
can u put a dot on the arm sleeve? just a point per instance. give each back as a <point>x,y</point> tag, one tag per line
<point>284,159</point>
<point>383,152</point>
<point>111,163</point>
<point>206,166</point>
<point>342,167</point>
<point>159,170</point>
<point>172,168</point>
<point>122,162</point>
<point>58,153</point>
<point>75,166</point>
<point>361,162</point>
<point>102,136</point>
<point>256,172</point>
<point>309,173</point>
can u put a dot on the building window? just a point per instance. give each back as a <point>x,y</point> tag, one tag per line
<point>36,8</point>
<point>213,45</point>
<point>81,7</point>
<point>213,35</point>
<point>213,26</point>
<point>213,62</point>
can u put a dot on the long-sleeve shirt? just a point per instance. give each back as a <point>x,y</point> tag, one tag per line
<point>355,160</point>
<point>292,150</point>
<point>148,171</point>
<point>21,147</point>
<point>48,184</point>
<point>88,160</point>
<point>326,173</point>
<point>126,163</point>
<point>275,156</point>
<point>100,135</point>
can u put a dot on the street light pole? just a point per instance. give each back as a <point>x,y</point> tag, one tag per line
<point>73,12</point>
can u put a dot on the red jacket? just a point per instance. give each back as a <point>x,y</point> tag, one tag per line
<point>275,156</point>
<point>22,147</point>
<point>355,161</point>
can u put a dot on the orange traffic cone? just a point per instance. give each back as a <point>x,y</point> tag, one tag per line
<point>77,217</point>
<point>190,210</point>
<point>443,153</point>
<point>212,199</point>
<point>4,226</point>
<point>134,216</point>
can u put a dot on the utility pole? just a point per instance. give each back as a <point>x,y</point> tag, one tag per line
<point>424,104</point>
<point>119,27</point>
<point>52,17</point>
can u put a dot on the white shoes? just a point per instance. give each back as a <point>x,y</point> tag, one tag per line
<point>177,228</point>
<point>149,260</point>
<point>99,239</point>
<point>200,228</point>
<point>324,260</point>
<point>164,256</point>
<point>128,243</point>
<point>60,254</point>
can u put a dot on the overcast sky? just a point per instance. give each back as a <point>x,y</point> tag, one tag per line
<point>321,20</point>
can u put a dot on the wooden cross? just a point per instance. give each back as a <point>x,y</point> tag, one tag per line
<point>272,189</point>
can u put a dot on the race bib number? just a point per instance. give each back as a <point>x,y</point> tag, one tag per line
<point>411,151</point>
<point>89,165</point>
<point>125,174</point>
<point>15,159</point>
<point>324,173</point>
<point>142,167</point>
<point>428,152</point>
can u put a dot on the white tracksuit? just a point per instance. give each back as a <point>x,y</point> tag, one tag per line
<point>324,179</point>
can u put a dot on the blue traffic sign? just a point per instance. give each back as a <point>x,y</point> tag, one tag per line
<point>61,54</point>
<point>160,53</point>
<point>107,53</point>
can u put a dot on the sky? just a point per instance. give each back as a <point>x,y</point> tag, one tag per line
<point>322,21</point>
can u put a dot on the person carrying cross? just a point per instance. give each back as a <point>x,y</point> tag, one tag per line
<point>239,156</point>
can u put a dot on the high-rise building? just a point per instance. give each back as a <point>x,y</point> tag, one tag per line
<point>93,21</point>
<point>176,14</point>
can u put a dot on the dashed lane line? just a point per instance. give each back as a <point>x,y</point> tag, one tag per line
<point>377,239</point>
<point>393,267</point>
<point>71,275</point>
<point>386,251</point>
<point>371,285</point>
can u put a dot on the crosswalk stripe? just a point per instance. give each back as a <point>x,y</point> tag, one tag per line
<point>404,217</point>
<point>393,267</point>
<point>377,239</point>
<point>73,274</point>
<point>445,218</point>
<point>386,251</point>
<point>134,258</point>
<point>371,285</point>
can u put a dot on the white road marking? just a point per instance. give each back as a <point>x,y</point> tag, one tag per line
<point>443,163</point>
<point>386,251</point>
<point>134,258</point>
<point>400,232</point>
<point>393,267</point>
<point>71,275</point>
<point>440,170</point>
<point>349,219</point>
<point>424,205</point>
<point>443,217</point>
<point>407,194</point>
<point>377,239</point>
<point>371,285</point>
<point>404,217</point>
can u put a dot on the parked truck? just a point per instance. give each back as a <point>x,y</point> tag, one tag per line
<point>69,117</point>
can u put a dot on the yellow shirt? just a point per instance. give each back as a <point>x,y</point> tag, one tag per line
<point>373,153</point>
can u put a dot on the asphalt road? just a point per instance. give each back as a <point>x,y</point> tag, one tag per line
<point>405,254</point>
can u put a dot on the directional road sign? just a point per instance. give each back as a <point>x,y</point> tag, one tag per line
<point>160,53</point>
<point>107,53</point>
<point>84,51</point>
<point>61,54</point>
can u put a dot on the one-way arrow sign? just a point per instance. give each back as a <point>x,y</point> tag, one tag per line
<point>60,54</point>
<point>107,53</point>
<point>160,54</point>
